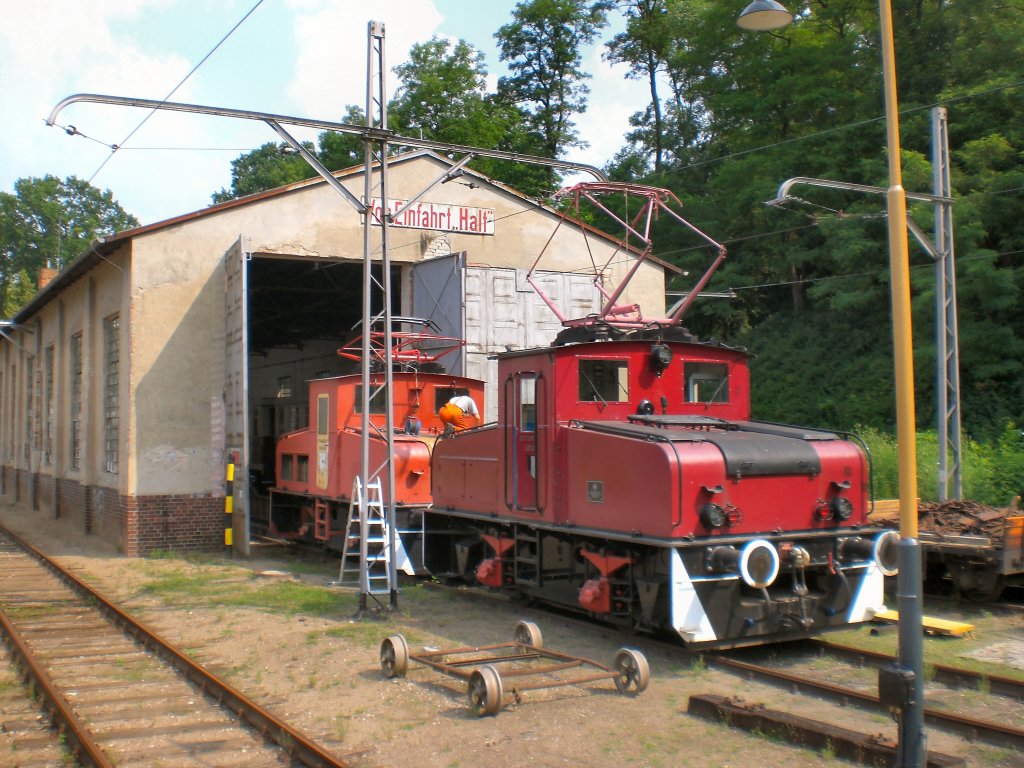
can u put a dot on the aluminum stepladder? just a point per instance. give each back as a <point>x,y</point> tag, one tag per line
<point>378,554</point>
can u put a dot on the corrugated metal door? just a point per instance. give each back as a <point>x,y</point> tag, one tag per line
<point>504,313</point>
<point>236,388</point>
<point>494,309</point>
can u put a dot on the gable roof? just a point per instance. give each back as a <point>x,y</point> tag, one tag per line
<point>106,246</point>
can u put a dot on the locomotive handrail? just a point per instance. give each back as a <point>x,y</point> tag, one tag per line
<point>509,437</point>
<point>537,390</point>
<point>871,466</point>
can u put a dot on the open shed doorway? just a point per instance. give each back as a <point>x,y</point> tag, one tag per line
<point>299,312</point>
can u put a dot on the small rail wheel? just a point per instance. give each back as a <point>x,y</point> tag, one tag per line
<point>394,656</point>
<point>633,672</point>
<point>528,633</point>
<point>485,692</point>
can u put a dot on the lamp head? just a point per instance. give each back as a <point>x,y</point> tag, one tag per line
<point>763,15</point>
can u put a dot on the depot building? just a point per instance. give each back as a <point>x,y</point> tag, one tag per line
<point>143,387</point>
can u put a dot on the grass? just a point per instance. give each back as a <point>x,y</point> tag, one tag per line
<point>939,650</point>
<point>180,583</point>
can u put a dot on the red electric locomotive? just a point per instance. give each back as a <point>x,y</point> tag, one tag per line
<point>625,478</point>
<point>315,468</point>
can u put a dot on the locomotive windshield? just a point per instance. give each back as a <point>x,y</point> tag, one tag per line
<point>378,401</point>
<point>707,382</point>
<point>443,394</point>
<point>605,381</point>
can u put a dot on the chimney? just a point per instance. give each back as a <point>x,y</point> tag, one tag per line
<point>46,274</point>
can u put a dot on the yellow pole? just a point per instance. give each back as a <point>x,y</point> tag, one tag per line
<point>911,751</point>
<point>903,347</point>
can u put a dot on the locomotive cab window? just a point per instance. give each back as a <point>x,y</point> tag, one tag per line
<point>528,404</point>
<point>286,466</point>
<point>706,382</point>
<point>443,394</point>
<point>378,399</point>
<point>604,381</point>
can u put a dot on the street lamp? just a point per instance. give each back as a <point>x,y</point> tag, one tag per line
<point>765,15</point>
<point>762,15</point>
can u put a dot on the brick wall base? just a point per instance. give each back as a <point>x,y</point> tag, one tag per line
<point>137,525</point>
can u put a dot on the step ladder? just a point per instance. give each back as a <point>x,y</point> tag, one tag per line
<point>377,567</point>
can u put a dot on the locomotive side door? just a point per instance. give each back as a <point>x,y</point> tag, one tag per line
<point>522,468</point>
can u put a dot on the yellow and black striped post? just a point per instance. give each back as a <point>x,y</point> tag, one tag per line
<point>229,504</point>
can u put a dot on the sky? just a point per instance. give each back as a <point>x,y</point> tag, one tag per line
<point>305,58</point>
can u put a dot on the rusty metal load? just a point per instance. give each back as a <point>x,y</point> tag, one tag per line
<point>962,517</point>
<point>979,547</point>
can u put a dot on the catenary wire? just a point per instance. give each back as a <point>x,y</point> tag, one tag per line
<point>115,147</point>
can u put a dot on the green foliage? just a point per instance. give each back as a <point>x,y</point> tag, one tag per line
<point>731,115</point>
<point>541,46</point>
<point>747,110</point>
<point>269,166</point>
<point>993,472</point>
<point>50,220</point>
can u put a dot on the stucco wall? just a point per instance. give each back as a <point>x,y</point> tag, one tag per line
<point>177,298</point>
<point>167,285</point>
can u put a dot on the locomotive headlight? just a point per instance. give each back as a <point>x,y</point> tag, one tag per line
<point>759,563</point>
<point>661,357</point>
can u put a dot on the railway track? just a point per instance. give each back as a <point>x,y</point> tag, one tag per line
<point>954,677</point>
<point>118,693</point>
<point>970,728</point>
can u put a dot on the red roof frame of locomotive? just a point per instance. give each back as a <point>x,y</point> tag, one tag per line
<point>406,346</point>
<point>656,199</point>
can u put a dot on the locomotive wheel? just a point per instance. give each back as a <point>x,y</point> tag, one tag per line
<point>528,633</point>
<point>394,656</point>
<point>485,692</point>
<point>633,672</point>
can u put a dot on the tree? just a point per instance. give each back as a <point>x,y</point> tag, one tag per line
<point>645,46</point>
<point>276,165</point>
<point>269,166</point>
<point>50,220</point>
<point>443,95</point>
<point>342,150</point>
<point>542,49</point>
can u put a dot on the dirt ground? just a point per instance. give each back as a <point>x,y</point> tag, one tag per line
<point>322,673</point>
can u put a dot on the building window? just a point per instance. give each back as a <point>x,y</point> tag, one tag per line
<point>30,364</point>
<point>111,366</point>
<point>13,421</point>
<point>284,386</point>
<point>48,412</point>
<point>76,401</point>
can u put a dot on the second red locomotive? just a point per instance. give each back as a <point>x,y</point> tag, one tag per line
<point>624,478</point>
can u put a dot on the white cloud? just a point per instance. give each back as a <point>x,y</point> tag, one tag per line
<point>53,49</point>
<point>300,57</point>
<point>330,68</point>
